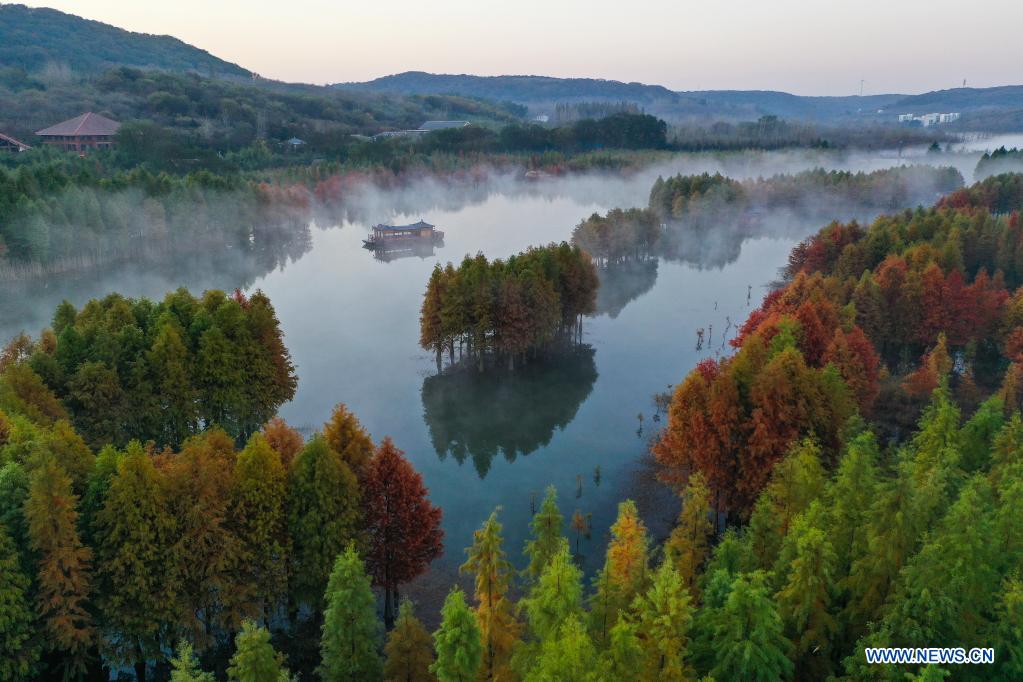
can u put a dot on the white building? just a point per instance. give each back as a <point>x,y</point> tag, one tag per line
<point>927,120</point>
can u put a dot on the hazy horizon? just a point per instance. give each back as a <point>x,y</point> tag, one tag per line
<point>796,46</point>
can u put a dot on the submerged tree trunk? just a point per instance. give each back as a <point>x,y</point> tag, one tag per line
<point>140,663</point>
<point>388,607</point>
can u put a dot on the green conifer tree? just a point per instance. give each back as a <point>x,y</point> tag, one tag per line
<point>98,485</point>
<point>849,498</point>
<point>568,655</point>
<point>19,648</point>
<point>14,486</point>
<point>185,666</point>
<point>623,657</point>
<point>351,630</point>
<point>323,517</point>
<point>748,635</point>
<point>254,659</point>
<point>457,642</point>
<point>547,534</point>
<point>555,597</point>
<point>257,518</point>
<point>135,534</point>
<point>171,366</point>
<point>949,588</point>
<point>664,616</point>
<point>804,601</point>
<point>689,543</point>
<point>1008,640</point>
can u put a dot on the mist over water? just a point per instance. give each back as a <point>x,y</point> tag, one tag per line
<point>351,323</point>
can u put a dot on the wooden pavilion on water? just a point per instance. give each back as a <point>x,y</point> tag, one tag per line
<point>388,237</point>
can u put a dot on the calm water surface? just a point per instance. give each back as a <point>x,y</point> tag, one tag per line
<point>351,322</point>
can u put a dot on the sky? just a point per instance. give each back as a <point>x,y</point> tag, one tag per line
<point>807,47</point>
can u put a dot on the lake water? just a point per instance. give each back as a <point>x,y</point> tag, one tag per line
<point>351,323</point>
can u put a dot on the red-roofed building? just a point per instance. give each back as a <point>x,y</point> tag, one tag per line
<point>82,133</point>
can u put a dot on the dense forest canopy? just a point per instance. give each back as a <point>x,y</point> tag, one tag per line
<point>849,519</point>
<point>112,553</point>
<point>128,370</point>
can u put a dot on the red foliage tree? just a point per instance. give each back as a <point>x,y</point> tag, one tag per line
<point>818,320</point>
<point>403,527</point>
<point>284,439</point>
<point>934,367</point>
<point>757,318</point>
<point>704,433</point>
<point>1013,348</point>
<point>782,411</point>
<point>858,363</point>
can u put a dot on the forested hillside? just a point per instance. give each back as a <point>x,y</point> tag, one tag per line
<point>217,114</point>
<point>42,39</point>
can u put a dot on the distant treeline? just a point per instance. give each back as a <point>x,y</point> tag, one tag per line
<point>999,194</point>
<point>771,132</point>
<point>685,203</point>
<point>59,212</point>
<point>507,309</point>
<point>567,112</point>
<point>617,131</point>
<point>888,188</point>
<point>1001,160</point>
<point>127,369</point>
<point>64,208</point>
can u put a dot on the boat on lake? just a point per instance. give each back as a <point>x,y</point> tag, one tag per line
<point>389,237</point>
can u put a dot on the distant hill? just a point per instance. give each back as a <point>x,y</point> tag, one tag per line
<point>801,107</point>
<point>539,92</point>
<point>964,99</point>
<point>979,105</point>
<point>36,38</point>
<point>523,89</point>
<point>54,66</point>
